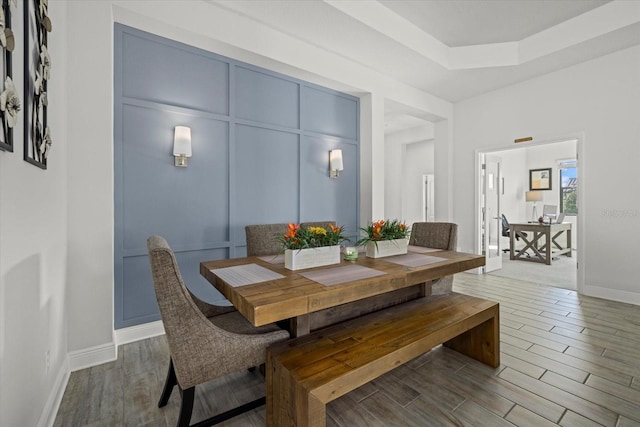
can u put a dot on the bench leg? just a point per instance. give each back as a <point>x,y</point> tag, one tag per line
<point>482,342</point>
<point>288,404</point>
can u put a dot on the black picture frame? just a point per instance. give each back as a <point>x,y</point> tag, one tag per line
<point>540,179</point>
<point>6,136</point>
<point>36,132</point>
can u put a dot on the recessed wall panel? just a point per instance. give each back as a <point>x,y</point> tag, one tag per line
<point>158,72</point>
<point>266,172</point>
<point>188,206</point>
<point>329,113</point>
<point>266,98</point>
<point>139,304</point>
<point>248,165</point>
<point>324,198</point>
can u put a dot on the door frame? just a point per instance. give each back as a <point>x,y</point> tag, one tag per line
<point>580,139</point>
<point>496,264</point>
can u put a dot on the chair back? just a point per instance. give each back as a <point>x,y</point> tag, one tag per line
<point>437,235</point>
<point>184,323</point>
<point>262,239</point>
<point>505,226</point>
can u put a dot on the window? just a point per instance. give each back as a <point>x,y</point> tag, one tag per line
<point>568,187</point>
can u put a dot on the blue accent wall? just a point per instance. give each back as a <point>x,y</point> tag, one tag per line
<point>260,143</point>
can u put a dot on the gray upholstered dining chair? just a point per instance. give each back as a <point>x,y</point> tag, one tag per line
<point>205,341</point>
<point>437,235</point>
<point>262,239</point>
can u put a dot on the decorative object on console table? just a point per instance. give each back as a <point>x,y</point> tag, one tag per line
<point>37,66</point>
<point>385,238</point>
<point>307,247</point>
<point>9,99</point>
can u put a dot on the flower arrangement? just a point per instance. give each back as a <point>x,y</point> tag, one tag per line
<point>298,237</point>
<point>384,230</point>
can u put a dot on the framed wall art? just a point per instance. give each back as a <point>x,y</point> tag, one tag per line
<point>540,179</point>
<point>37,70</point>
<point>9,99</point>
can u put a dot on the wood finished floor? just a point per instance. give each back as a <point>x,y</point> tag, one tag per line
<point>567,360</point>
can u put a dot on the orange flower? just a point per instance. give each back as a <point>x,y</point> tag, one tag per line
<point>293,229</point>
<point>334,229</point>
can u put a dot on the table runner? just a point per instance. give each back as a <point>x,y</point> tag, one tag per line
<point>337,275</point>
<point>414,260</point>
<point>246,274</point>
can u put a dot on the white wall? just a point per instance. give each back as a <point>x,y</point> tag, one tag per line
<point>419,161</point>
<point>598,100</point>
<point>408,155</point>
<point>33,253</point>
<point>513,163</point>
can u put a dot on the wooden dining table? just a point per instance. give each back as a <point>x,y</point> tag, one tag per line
<point>264,291</point>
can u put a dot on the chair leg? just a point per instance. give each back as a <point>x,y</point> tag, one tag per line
<point>186,407</point>
<point>169,383</point>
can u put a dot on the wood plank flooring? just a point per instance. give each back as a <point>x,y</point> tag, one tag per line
<point>567,360</point>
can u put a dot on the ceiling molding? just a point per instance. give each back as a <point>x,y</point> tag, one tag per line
<point>589,25</point>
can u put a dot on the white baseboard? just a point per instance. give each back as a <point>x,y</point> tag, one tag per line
<point>92,356</point>
<point>138,332</point>
<point>89,357</point>
<point>50,410</point>
<point>612,294</point>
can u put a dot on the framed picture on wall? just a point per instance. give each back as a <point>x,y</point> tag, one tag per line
<point>37,66</point>
<point>9,99</point>
<point>540,179</point>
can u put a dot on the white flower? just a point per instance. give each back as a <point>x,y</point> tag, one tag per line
<point>46,143</point>
<point>13,3</point>
<point>38,83</point>
<point>45,61</point>
<point>3,38</point>
<point>10,103</point>
<point>44,5</point>
<point>44,99</point>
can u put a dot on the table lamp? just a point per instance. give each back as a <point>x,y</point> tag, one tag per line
<point>534,196</point>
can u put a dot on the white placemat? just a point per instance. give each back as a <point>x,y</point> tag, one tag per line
<point>247,274</point>
<point>414,260</point>
<point>337,275</point>
<point>421,249</point>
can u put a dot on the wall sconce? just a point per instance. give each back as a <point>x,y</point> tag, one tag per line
<point>335,163</point>
<point>182,146</point>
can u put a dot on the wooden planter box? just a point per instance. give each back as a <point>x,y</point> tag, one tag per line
<point>387,248</point>
<point>297,259</point>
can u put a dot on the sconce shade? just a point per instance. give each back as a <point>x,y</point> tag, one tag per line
<point>182,141</point>
<point>335,163</point>
<point>533,196</point>
<point>335,160</point>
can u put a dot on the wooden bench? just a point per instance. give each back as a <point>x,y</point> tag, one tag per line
<point>306,373</point>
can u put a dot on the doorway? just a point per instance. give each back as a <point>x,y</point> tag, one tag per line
<point>428,198</point>
<point>492,187</point>
<point>501,188</point>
